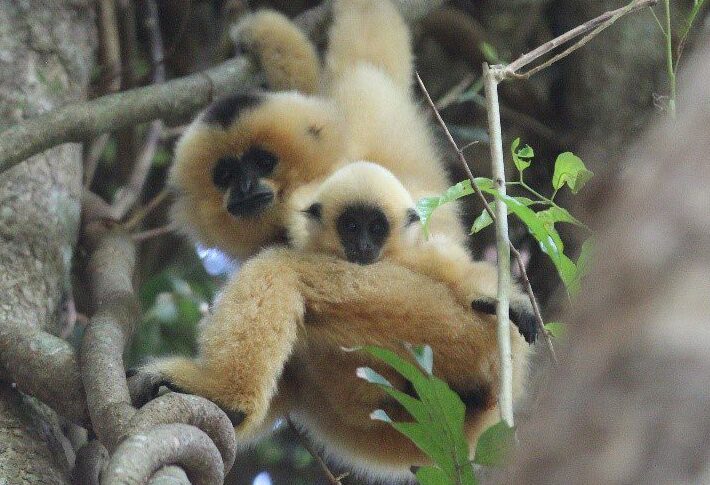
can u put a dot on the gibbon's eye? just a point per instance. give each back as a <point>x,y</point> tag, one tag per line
<point>223,171</point>
<point>315,211</point>
<point>262,160</point>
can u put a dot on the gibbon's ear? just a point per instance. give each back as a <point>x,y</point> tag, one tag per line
<point>315,211</point>
<point>412,217</point>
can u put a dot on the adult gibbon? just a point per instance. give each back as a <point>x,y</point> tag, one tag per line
<point>273,345</point>
<point>247,156</point>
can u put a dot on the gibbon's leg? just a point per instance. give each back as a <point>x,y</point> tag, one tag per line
<point>289,60</point>
<point>369,31</point>
<point>244,345</point>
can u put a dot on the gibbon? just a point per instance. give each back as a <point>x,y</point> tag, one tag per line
<point>363,214</point>
<point>274,343</point>
<point>246,156</point>
<point>274,346</point>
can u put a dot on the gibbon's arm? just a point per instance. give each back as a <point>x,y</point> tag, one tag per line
<point>369,31</point>
<point>287,57</point>
<point>473,283</point>
<point>243,346</point>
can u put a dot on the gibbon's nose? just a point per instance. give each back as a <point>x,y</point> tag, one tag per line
<point>366,253</point>
<point>246,183</point>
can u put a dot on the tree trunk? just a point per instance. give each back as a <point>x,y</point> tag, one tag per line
<point>46,56</point>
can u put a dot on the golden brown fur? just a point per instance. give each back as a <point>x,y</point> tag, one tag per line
<point>364,112</point>
<point>274,345</point>
<point>274,342</point>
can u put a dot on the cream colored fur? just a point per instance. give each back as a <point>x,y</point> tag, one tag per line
<point>274,343</point>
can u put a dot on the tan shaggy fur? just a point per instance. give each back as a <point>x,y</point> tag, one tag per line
<point>274,343</point>
<point>365,111</point>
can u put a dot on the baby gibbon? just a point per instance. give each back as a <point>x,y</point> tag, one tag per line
<point>362,213</point>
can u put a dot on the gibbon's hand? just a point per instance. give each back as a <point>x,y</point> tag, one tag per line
<point>145,386</point>
<point>520,314</point>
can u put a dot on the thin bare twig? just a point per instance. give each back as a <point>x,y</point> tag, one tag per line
<point>142,212</point>
<point>307,445</point>
<point>130,194</point>
<point>605,19</point>
<point>487,207</point>
<point>151,233</point>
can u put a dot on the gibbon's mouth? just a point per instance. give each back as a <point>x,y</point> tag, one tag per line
<point>363,259</point>
<point>252,205</point>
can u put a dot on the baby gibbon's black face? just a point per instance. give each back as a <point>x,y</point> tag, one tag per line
<point>241,176</point>
<point>363,231</point>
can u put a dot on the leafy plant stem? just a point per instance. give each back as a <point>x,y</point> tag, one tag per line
<point>491,78</point>
<point>669,58</point>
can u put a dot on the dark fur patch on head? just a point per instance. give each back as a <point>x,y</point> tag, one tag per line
<point>315,131</point>
<point>226,110</point>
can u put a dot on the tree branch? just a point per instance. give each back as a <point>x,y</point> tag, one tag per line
<point>143,454</point>
<point>596,25</point>
<point>489,210</point>
<point>174,100</point>
<point>101,355</point>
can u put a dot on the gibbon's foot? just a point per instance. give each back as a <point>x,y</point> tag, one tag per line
<point>520,315</point>
<point>145,387</point>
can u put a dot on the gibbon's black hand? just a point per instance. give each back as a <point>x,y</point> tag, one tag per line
<point>522,317</point>
<point>146,387</point>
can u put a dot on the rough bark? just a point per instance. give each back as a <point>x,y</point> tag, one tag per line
<point>46,49</point>
<point>631,403</point>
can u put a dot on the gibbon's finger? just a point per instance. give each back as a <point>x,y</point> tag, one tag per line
<point>521,316</point>
<point>145,387</point>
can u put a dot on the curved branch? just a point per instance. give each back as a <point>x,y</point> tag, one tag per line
<point>45,367</point>
<point>90,460</point>
<point>101,354</point>
<point>196,411</point>
<point>140,456</point>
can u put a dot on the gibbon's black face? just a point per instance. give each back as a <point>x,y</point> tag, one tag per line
<point>241,176</point>
<point>363,231</point>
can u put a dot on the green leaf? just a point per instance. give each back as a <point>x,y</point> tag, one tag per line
<point>557,214</point>
<point>548,238</point>
<point>430,475</point>
<point>438,412</point>
<point>427,205</point>
<point>585,258</point>
<point>484,219</point>
<point>423,355</point>
<point>570,170</point>
<point>371,376</point>
<point>556,329</point>
<point>495,445</point>
<point>523,157</point>
<point>425,439</point>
